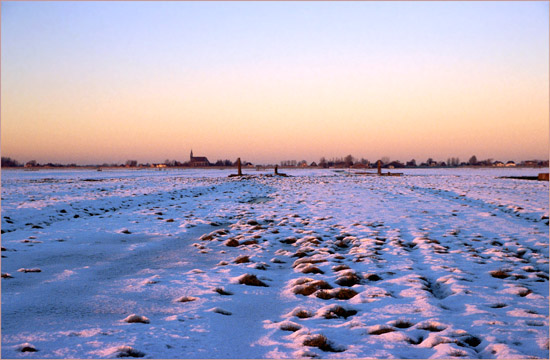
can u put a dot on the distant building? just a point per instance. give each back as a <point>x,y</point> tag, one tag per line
<point>530,163</point>
<point>395,165</point>
<point>510,163</point>
<point>198,161</point>
<point>498,163</point>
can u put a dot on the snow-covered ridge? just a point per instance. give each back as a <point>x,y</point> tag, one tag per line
<point>192,264</point>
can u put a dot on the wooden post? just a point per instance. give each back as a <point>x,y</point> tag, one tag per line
<point>379,167</point>
<point>240,173</point>
<point>276,173</point>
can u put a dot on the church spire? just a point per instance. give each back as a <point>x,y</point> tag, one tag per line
<point>191,156</point>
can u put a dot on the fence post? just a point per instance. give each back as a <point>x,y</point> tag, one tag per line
<point>379,167</point>
<point>240,173</point>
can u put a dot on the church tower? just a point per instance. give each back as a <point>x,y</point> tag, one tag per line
<point>191,156</point>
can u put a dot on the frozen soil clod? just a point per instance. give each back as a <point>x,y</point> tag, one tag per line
<point>251,280</point>
<point>136,319</point>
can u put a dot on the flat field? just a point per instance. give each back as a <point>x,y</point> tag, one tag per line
<point>322,264</point>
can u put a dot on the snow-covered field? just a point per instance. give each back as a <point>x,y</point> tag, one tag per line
<point>193,264</point>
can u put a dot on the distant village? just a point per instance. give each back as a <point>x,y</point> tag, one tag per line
<point>345,162</point>
<point>351,162</point>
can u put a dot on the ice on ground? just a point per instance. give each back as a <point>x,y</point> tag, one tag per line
<point>193,264</point>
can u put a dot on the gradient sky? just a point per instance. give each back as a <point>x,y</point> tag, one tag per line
<point>94,82</point>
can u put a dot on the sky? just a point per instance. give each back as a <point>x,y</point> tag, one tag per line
<point>95,82</point>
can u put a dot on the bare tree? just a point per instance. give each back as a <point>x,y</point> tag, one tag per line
<point>348,160</point>
<point>9,162</point>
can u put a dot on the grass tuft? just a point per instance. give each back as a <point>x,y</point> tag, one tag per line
<point>499,274</point>
<point>321,342</point>
<point>381,330</point>
<point>344,294</point>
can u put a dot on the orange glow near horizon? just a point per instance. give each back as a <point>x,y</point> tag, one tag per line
<point>400,105</point>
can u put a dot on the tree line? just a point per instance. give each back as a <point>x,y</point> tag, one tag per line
<point>339,162</point>
<point>351,161</point>
<point>9,162</point>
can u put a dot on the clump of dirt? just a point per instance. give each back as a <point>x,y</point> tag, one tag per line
<point>323,294</point>
<point>289,326</point>
<point>373,277</point>
<point>136,319</point>
<point>321,342</point>
<point>379,330</point>
<point>127,351</point>
<point>348,279</point>
<point>340,268</point>
<point>221,311</point>
<point>242,259</point>
<point>231,243</point>
<point>311,269</point>
<point>250,242</point>
<point>344,293</point>
<point>251,280</point>
<point>310,287</point>
<point>338,312</point>
<point>26,347</point>
<point>222,291</point>
<point>289,240</point>
<point>303,314</point>
<point>499,274</point>
<point>185,299</point>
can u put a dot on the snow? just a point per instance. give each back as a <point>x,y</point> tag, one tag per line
<point>438,263</point>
